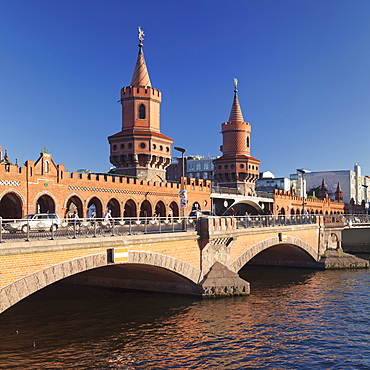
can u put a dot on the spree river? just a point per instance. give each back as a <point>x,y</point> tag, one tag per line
<point>293,319</point>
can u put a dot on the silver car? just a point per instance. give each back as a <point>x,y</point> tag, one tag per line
<point>36,222</point>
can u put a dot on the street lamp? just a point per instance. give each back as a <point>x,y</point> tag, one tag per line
<point>182,151</point>
<point>302,171</point>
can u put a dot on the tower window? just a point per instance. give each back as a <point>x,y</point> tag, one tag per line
<point>114,147</point>
<point>142,145</point>
<point>122,146</point>
<point>142,113</point>
<point>248,142</point>
<point>242,166</point>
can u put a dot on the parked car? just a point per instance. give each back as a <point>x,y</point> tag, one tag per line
<point>197,213</point>
<point>36,222</point>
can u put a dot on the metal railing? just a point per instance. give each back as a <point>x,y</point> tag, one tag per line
<point>353,220</point>
<point>235,191</point>
<point>13,230</point>
<point>26,230</point>
<point>244,222</point>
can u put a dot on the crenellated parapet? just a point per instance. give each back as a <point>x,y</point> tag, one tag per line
<point>44,185</point>
<point>287,202</point>
<point>139,91</point>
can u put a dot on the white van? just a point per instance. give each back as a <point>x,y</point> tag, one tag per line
<point>36,222</point>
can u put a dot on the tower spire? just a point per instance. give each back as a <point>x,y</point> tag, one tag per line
<point>140,76</point>
<point>236,112</point>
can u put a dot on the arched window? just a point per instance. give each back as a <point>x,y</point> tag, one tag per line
<point>142,111</point>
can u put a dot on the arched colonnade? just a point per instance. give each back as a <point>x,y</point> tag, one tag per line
<point>13,205</point>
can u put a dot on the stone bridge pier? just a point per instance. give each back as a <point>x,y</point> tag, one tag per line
<point>225,249</point>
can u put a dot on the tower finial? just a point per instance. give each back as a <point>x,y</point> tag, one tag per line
<point>140,76</point>
<point>236,85</point>
<point>140,35</point>
<point>236,112</point>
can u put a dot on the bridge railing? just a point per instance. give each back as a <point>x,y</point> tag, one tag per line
<point>243,222</point>
<point>235,191</point>
<point>353,220</point>
<point>13,230</point>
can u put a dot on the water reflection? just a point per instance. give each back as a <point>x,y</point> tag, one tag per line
<point>292,319</point>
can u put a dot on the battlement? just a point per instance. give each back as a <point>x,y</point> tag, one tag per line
<point>290,201</point>
<point>237,123</point>
<point>32,170</point>
<point>11,168</point>
<point>150,92</point>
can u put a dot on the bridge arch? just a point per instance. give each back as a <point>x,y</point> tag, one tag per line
<point>45,202</point>
<point>273,242</point>
<point>175,209</point>
<point>146,209</point>
<point>160,208</point>
<point>74,203</point>
<point>130,209</point>
<point>169,263</point>
<point>11,203</point>
<point>95,204</point>
<point>114,206</point>
<point>24,287</point>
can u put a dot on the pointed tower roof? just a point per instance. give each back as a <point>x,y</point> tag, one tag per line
<point>323,185</point>
<point>236,112</point>
<point>338,194</point>
<point>140,76</point>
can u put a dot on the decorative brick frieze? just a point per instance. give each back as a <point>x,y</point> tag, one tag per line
<point>10,183</point>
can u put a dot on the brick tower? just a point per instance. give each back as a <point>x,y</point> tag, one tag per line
<point>236,168</point>
<point>139,149</point>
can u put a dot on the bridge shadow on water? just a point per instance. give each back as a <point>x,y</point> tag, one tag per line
<point>274,277</point>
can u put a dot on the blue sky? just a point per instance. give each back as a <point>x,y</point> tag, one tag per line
<point>303,69</point>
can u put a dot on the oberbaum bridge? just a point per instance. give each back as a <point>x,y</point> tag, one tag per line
<point>146,241</point>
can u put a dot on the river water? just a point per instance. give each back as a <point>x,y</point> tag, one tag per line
<point>293,319</point>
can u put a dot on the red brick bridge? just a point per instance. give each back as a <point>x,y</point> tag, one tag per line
<point>203,262</point>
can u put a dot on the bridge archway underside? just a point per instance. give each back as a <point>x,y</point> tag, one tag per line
<point>142,271</point>
<point>137,277</point>
<point>292,251</point>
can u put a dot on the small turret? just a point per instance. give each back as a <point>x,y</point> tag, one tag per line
<point>236,168</point>
<point>323,190</point>
<point>339,194</point>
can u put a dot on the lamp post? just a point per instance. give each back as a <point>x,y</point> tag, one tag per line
<point>182,151</point>
<point>302,171</point>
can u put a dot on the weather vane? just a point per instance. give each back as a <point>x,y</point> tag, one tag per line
<point>141,34</point>
<point>236,84</point>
